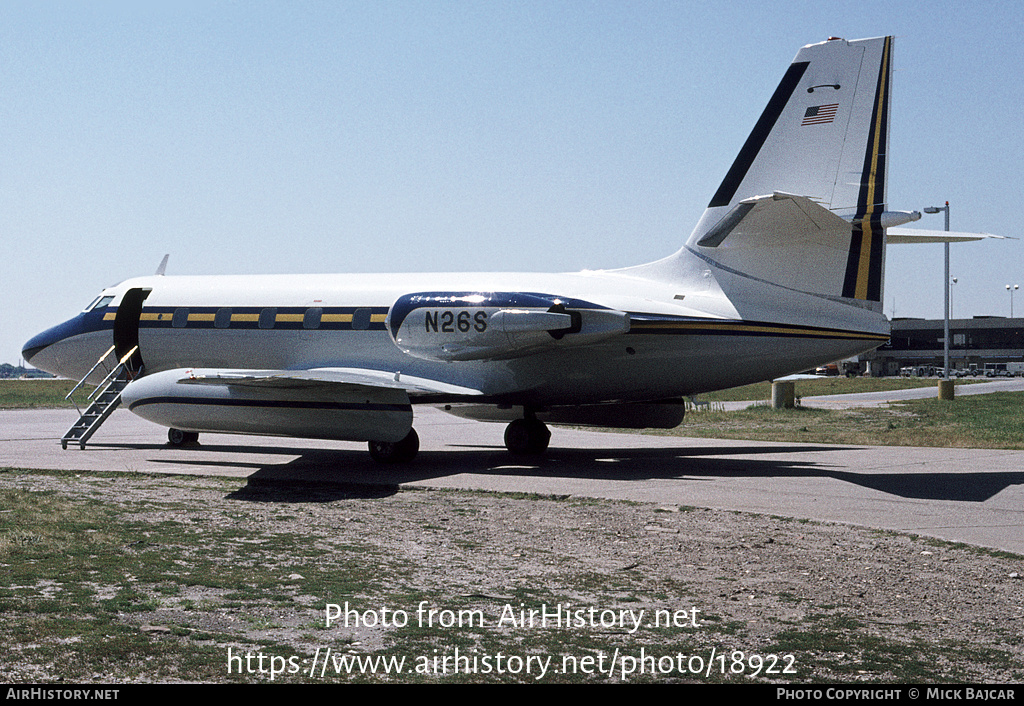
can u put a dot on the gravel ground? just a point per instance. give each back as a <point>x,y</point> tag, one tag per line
<point>849,604</point>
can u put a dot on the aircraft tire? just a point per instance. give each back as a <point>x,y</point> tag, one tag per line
<point>402,451</point>
<point>177,437</point>
<point>527,437</point>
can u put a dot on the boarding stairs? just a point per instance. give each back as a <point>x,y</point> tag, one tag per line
<point>103,400</point>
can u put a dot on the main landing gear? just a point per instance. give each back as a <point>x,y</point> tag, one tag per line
<point>396,451</point>
<point>523,437</point>
<point>177,437</point>
<point>527,437</point>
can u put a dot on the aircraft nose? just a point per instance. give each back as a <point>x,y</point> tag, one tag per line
<point>65,348</point>
<point>38,343</point>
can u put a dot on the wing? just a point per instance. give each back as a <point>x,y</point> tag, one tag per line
<point>325,380</point>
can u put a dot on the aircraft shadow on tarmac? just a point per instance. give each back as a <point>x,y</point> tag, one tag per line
<point>350,473</point>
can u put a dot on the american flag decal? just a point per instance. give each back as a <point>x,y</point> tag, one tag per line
<point>819,114</point>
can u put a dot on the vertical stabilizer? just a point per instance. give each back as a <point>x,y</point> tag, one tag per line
<point>802,204</point>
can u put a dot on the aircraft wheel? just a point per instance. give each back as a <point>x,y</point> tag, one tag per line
<point>177,437</point>
<point>527,437</point>
<point>402,451</point>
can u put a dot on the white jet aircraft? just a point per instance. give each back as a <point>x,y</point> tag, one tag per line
<point>782,273</point>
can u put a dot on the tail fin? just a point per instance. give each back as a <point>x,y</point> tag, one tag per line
<point>802,206</point>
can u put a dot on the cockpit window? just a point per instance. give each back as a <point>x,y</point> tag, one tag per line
<point>100,302</point>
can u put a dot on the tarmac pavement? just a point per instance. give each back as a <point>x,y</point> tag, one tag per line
<point>965,495</point>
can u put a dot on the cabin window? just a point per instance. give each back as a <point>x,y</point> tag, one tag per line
<point>180,318</point>
<point>311,319</point>
<point>361,319</point>
<point>222,319</point>
<point>268,317</point>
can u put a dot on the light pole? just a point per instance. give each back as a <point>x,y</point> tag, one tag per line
<point>946,286</point>
<point>1011,297</point>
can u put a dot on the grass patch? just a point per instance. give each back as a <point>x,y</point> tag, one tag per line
<point>977,421</point>
<point>39,394</point>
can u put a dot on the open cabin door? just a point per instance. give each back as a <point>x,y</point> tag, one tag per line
<point>126,326</point>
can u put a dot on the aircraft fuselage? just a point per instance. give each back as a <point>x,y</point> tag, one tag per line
<point>293,322</point>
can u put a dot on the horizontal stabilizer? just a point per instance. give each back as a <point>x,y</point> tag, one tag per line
<point>785,239</point>
<point>779,217</point>
<point>902,236</point>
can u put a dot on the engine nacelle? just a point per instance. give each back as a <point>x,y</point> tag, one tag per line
<point>451,326</point>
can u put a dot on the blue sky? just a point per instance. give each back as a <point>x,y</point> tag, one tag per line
<point>264,137</point>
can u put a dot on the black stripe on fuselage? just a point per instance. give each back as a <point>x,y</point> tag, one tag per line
<point>640,322</point>
<point>688,326</point>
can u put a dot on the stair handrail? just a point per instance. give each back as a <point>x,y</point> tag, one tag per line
<point>82,381</point>
<point>115,371</point>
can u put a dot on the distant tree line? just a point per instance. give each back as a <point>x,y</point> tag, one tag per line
<point>8,371</point>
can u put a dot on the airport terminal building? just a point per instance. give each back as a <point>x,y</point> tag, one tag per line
<point>993,340</point>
